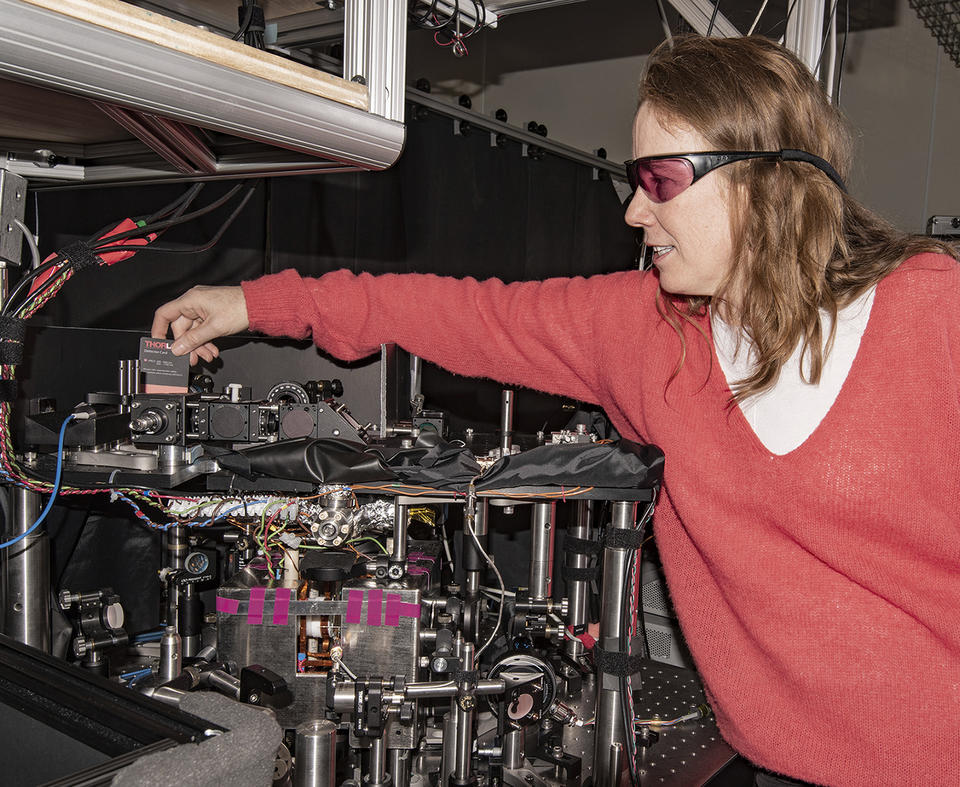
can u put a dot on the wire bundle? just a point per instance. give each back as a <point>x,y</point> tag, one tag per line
<point>445,22</point>
<point>45,281</point>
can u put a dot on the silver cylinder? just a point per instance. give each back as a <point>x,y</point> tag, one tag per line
<point>400,518</point>
<point>189,643</point>
<point>609,726</point>
<point>578,591</point>
<point>474,578</point>
<point>416,377</point>
<point>170,457</point>
<point>513,749</point>
<point>506,421</point>
<point>26,574</point>
<point>400,767</point>
<point>170,654</point>
<point>226,683</point>
<point>542,532</point>
<point>465,719</point>
<point>315,764</point>
<point>616,763</point>
<point>377,764</point>
<point>176,552</point>
<point>449,753</point>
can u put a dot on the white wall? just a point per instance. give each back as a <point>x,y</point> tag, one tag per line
<point>900,91</point>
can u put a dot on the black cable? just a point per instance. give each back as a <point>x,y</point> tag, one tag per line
<point>826,36</point>
<point>136,232</point>
<point>172,222</point>
<point>626,710</point>
<point>247,19</point>
<point>180,204</point>
<point>192,249</point>
<point>843,52</point>
<point>713,18</point>
<point>8,306</point>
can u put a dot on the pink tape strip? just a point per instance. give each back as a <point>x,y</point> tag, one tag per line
<point>281,606</point>
<point>374,607</point>
<point>397,609</point>
<point>228,606</point>
<point>355,606</point>
<point>255,613</point>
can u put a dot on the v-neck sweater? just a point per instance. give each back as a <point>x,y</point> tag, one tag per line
<point>819,591</point>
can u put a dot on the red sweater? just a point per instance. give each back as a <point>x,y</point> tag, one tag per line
<point>819,591</point>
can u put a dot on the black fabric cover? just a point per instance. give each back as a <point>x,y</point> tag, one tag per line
<point>442,465</point>
<point>315,460</point>
<point>623,465</point>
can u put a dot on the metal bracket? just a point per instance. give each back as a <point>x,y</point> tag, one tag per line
<point>13,202</point>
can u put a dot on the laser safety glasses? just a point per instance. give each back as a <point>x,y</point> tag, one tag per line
<point>664,177</point>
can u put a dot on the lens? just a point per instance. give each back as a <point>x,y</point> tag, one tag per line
<point>662,178</point>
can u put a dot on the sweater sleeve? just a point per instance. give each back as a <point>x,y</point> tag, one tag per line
<point>557,335</point>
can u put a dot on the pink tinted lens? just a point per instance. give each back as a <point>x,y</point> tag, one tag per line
<point>661,179</point>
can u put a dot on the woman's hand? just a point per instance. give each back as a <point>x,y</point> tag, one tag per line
<point>200,315</point>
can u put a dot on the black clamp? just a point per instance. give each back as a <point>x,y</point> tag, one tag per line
<point>614,662</point>
<point>12,331</point>
<point>620,538</point>
<point>581,546</point>
<point>80,255</point>
<point>571,574</point>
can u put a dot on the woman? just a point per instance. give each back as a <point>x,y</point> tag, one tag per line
<point>795,358</point>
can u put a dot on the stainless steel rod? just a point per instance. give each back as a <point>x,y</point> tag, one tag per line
<point>26,574</point>
<point>400,515</point>
<point>541,560</point>
<point>400,767</point>
<point>465,720</point>
<point>506,422</point>
<point>513,749</point>
<point>316,754</point>
<point>377,766</point>
<point>578,591</point>
<point>609,726</point>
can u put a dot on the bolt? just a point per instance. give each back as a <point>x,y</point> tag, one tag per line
<point>254,698</point>
<point>440,664</point>
<point>169,406</point>
<point>467,702</point>
<point>135,405</point>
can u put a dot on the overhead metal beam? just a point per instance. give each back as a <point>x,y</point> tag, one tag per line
<point>698,14</point>
<point>47,48</point>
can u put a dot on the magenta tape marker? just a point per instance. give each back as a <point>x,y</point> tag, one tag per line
<point>255,613</point>
<point>374,607</point>
<point>397,609</point>
<point>281,605</point>
<point>228,606</point>
<point>355,606</point>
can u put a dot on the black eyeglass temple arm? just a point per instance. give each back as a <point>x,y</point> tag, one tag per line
<point>789,154</point>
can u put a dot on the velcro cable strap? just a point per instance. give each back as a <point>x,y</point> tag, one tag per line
<point>8,390</point>
<point>581,546</point>
<point>80,255</point>
<point>12,331</point>
<point>618,538</point>
<point>613,662</point>
<point>466,676</point>
<point>571,574</point>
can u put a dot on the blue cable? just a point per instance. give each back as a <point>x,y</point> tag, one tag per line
<point>150,636</point>
<point>53,493</point>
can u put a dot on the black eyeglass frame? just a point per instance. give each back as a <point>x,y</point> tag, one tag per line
<point>708,161</point>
